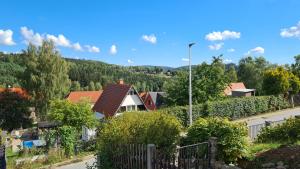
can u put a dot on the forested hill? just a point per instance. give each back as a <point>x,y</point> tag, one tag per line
<point>87,74</point>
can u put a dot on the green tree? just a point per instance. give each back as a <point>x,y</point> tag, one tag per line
<point>276,81</point>
<point>14,111</point>
<point>71,114</point>
<point>250,72</point>
<point>68,137</point>
<point>45,76</point>
<point>92,86</point>
<point>75,86</point>
<point>98,86</point>
<point>296,66</point>
<point>231,74</point>
<point>208,83</point>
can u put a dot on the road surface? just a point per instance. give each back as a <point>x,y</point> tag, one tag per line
<point>79,165</point>
<point>275,116</point>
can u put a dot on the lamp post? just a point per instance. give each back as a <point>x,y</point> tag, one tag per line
<point>190,85</point>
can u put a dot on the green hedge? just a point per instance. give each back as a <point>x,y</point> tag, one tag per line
<point>160,129</point>
<point>287,132</point>
<point>232,137</point>
<point>232,108</point>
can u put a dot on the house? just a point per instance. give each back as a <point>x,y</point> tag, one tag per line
<point>118,98</point>
<point>238,89</point>
<point>77,96</point>
<point>152,100</point>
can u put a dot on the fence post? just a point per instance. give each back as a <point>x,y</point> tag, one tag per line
<point>150,154</point>
<point>212,151</point>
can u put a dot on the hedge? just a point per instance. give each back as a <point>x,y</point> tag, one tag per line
<point>232,108</point>
<point>160,129</point>
<point>232,137</point>
<point>286,133</point>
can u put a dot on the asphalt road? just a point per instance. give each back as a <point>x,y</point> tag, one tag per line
<point>79,165</point>
<point>275,116</point>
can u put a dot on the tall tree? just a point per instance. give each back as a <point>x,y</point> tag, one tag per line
<point>98,86</point>
<point>45,76</point>
<point>296,66</point>
<point>250,72</point>
<point>75,86</point>
<point>231,74</point>
<point>92,86</point>
<point>14,110</point>
<point>208,83</point>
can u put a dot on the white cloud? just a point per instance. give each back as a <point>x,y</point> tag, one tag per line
<point>292,32</point>
<point>113,50</point>
<point>133,49</point>
<point>257,50</point>
<point>150,38</point>
<point>129,61</point>
<point>227,61</point>
<point>219,36</point>
<point>185,59</point>
<point>60,40</point>
<point>92,49</point>
<point>6,37</point>
<point>77,47</point>
<point>231,50</point>
<point>216,46</point>
<point>31,37</point>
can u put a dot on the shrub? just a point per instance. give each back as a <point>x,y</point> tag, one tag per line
<point>232,137</point>
<point>156,128</point>
<point>68,138</point>
<point>287,132</point>
<point>232,108</point>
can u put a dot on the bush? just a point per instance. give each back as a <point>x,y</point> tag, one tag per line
<point>137,128</point>
<point>287,132</point>
<point>232,108</point>
<point>68,138</point>
<point>232,137</point>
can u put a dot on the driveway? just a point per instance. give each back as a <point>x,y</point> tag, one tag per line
<point>79,165</point>
<point>274,116</point>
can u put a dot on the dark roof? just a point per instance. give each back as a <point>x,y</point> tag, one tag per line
<point>111,99</point>
<point>47,124</point>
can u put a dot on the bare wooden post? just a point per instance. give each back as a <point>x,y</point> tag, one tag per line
<point>150,152</point>
<point>212,151</point>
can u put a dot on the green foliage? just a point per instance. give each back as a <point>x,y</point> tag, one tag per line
<point>137,128</point>
<point>236,108</point>
<point>232,137</point>
<point>9,73</point>
<point>92,86</point>
<point>209,82</point>
<point>232,108</point>
<point>51,138</point>
<point>250,71</point>
<point>68,137</point>
<point>287,132</point>
<point>14,111</point>
<point>72,114</point>
<point>75,86</point>
<point>231,74</point>
<point>276,81</point>
<point>45,76</point>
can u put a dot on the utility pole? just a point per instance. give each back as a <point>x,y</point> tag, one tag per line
<point>190,85</point>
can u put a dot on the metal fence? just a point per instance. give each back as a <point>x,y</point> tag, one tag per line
<point>254,130</point>
<point>2,157</point>
<point>135,156</point>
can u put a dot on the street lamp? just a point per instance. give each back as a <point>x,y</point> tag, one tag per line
<point>190,85</point>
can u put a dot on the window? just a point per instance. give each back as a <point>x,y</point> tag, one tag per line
<point>131,108</point>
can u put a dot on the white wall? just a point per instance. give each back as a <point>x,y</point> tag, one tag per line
<point>131,100</point>
<point>87,133</point>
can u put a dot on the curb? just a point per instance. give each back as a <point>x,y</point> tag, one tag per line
<point>71,161</point>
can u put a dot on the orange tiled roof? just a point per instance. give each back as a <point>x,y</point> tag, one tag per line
<point>234,86</point>
<point>76,96</point>
<point>18,90</point>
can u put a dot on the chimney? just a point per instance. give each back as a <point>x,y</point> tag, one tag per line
<point>121,81</point>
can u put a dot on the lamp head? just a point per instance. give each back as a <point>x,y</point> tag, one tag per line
<point>191,44</point>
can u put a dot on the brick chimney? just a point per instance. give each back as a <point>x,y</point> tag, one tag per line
<point>121,81</point>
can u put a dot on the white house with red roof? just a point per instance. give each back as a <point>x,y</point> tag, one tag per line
<point>238,89</point>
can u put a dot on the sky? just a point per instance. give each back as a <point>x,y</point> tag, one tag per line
<point>155,32</point>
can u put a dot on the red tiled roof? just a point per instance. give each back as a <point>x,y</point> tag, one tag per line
<point>76,96</point>
<point>234,86</point>
<point>111,99</point>
<point>17,90</point>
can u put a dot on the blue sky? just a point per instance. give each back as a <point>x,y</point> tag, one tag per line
<point>155,32</point>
